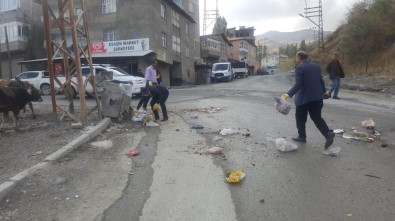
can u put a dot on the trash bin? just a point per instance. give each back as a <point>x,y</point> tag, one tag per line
<point>115,102</point>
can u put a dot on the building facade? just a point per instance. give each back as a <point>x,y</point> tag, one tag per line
<point>169,29</point>
<point>21,34</point>
<point>244,48</point>
<point>131,34</point>
<point>214,48</point>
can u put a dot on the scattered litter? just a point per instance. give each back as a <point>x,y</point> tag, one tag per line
<point>152,124</point>
<point>282,105</point>
<point>138,115</point>
<point>197,126</point>
<point>213,150</point>
<point>333,152</point>
<point>368,175</point>
<point>196,116</point>
<point>132,153</point>
<point>104,144</point>
<point>228,131</point>
<point>349,215</point>
<point>247,135</point>
<point>235,176</point>
<point>77,196</point>
<point>355,137</point>
<point>35,154</point>
<point>369,123</point>
<point>284,146</point>
<point>338,131</point>
<point>77,125</point>
<point>262,201</point>
<point>217,138</point>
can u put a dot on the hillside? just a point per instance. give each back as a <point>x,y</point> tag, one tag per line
<point>291,37</point>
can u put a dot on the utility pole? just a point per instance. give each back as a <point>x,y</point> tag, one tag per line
<point>209,15</point>
<point>8,52</point>
<point>1,65</point>
<point>316,12</point>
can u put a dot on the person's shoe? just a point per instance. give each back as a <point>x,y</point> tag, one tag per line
<point>337,98</point>
<point>329,139</point>
<point>165,119</point>
<point>299,139</point>
<point>157,118</point>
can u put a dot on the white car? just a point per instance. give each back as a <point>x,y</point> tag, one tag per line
<point>117,75</point>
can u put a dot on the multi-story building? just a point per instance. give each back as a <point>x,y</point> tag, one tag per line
<point>244,48</point>
<point>165,30</point>
<point>21,35</point>
<point>130,34</point>
<point>214,48</point>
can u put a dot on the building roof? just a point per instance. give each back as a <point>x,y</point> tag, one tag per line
<point>181,11</point>
<point>222,35</point>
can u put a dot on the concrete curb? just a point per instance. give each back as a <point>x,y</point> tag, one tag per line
<point>7,186</point>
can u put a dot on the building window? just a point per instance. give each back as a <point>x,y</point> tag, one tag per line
<point>187,28</point>
<point>190,7</point>
<point>176,44</point>
<point>163,11</point>
<point>187,51</point>
<point>108,6</point>
<point>109,35</point>
<point>164,40</point>
<point>175,20</point>
<point>16,31</point>
<point>8,5</point>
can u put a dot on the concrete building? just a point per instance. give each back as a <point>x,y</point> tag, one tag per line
<point>244,48</point>
<point>165,30</point>
<point>130,34</point>
<point>21,25</point>
<point>214,48</point>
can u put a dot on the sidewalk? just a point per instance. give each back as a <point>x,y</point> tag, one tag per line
<point>7,186</point>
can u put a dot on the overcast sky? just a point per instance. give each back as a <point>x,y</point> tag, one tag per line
<point>276,15</point>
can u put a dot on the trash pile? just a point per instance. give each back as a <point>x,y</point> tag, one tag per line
<point>369,135</point>
<point>142,116</point>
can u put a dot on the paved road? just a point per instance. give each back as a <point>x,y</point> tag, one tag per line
<point>170,180</point>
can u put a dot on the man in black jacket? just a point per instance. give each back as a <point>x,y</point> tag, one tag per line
<point>159,95</point>
<point>335,72</point>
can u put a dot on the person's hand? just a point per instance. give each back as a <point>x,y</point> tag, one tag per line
<point>327,95</point>
<point>285,96</point>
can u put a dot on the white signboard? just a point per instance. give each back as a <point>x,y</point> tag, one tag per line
<point>120,46</point>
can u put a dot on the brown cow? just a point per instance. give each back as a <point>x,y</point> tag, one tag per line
<point>20,84</point>
<point>14,99</point>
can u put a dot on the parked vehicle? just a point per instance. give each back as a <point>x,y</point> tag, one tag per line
<point>40,79</point>
<point>222,72</point>
<point>263,71</point>
<point>116,74</point>
<point>240,69</point>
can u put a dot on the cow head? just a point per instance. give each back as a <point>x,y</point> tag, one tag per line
<point>34,93</point>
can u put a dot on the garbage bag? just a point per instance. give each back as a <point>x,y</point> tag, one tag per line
<point>282,105</point>
<point>285,146</point>
<point>235,176</point>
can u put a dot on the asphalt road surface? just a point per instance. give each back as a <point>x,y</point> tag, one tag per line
<point>172,178</point>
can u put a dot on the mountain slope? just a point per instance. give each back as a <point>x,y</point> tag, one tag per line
<point>291,37</point>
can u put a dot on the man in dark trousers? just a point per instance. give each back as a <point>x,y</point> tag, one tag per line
<point>335,72</point>
<point>309,90</point>
<point>159,96</point>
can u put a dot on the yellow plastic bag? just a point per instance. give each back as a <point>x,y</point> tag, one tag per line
<point>235,176</point>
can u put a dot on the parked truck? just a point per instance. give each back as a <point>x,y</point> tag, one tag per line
<point>240,69</point>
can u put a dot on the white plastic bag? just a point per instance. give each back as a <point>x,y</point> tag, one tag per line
<point>282,105</point>
<point>228,131</point>
<point>285,146</point>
